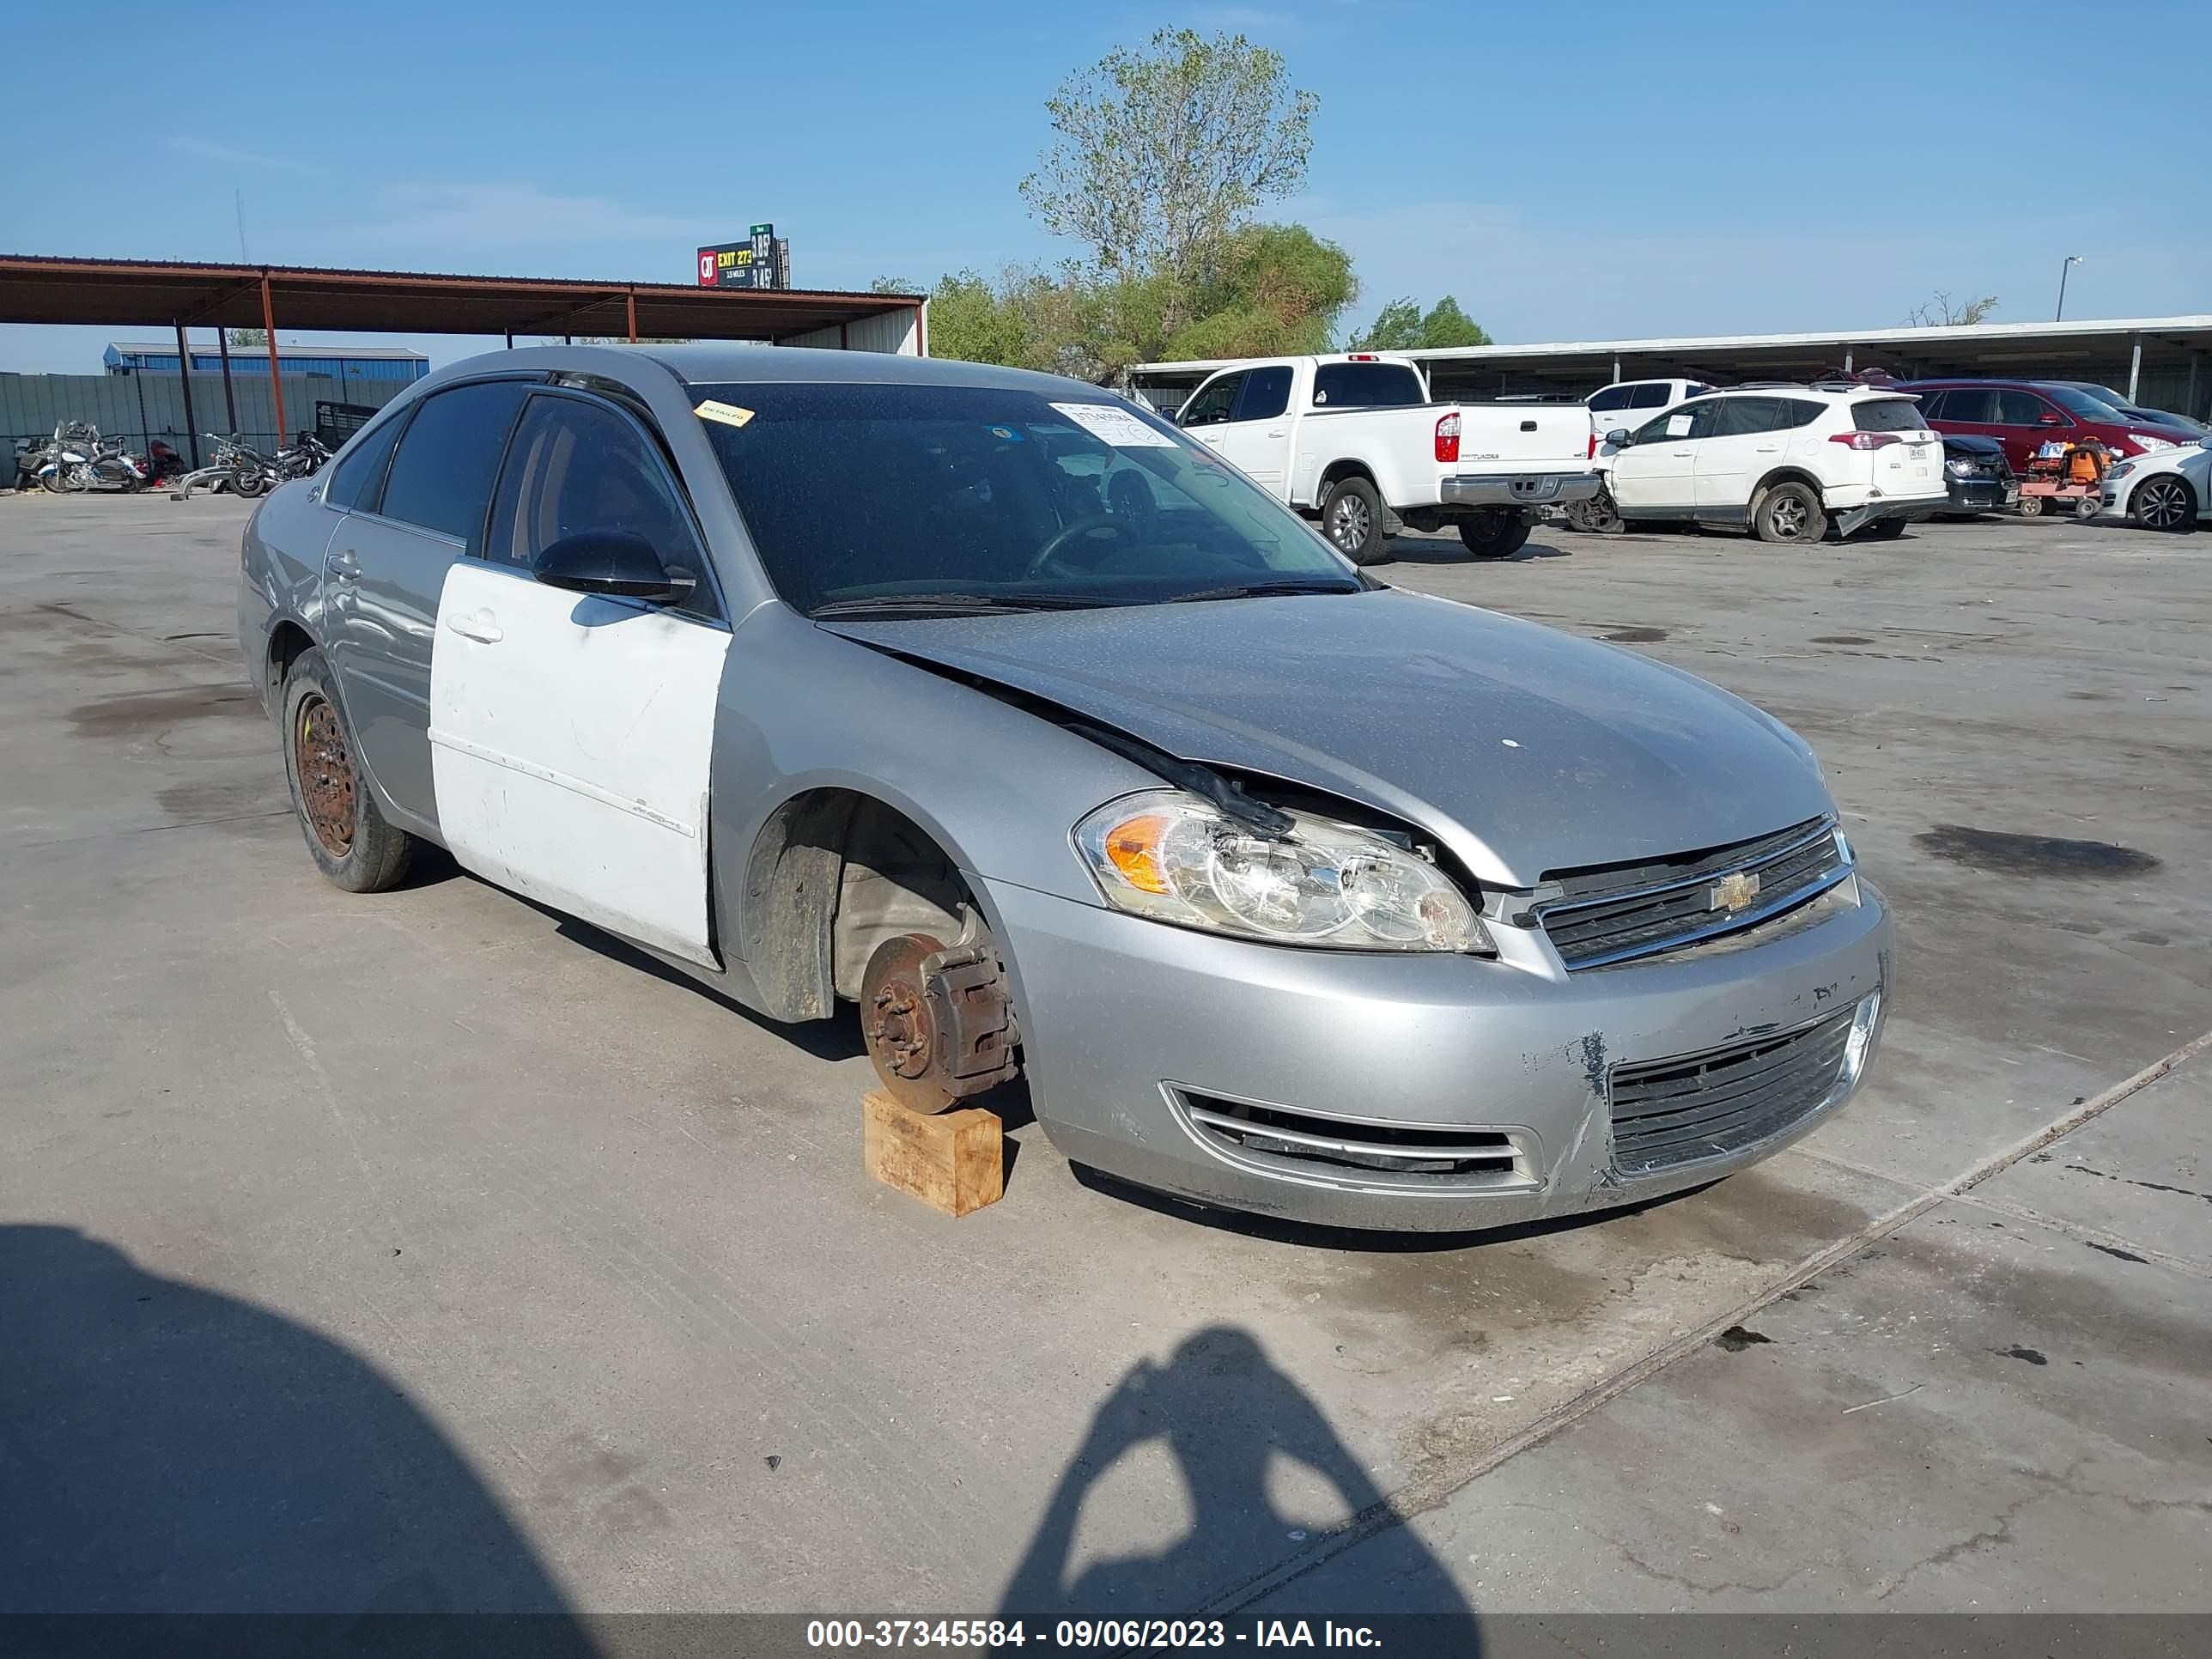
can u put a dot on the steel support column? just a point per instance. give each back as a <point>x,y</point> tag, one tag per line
<point>631,300</point>
<point>276,375</point>
<point>229,397</point>
<point>2135,364</point>
<point>184,375</point>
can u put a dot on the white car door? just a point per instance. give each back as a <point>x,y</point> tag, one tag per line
<point>1747,439</point>
<point>1657,470</point>
<point>571,735</point>
<point>1256,437</point>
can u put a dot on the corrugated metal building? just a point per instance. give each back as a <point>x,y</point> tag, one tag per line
<point>345,364</point>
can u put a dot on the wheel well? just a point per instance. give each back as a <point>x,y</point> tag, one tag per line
<point>286,640</point>
<point>831,876</point>
<point>1789,475</point>
<point>1336,472</point>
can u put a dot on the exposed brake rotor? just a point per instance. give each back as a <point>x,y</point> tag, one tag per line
<point>938,1022</point>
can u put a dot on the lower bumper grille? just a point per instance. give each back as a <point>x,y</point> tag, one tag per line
<point>1670,1112</point>
<point>1277,1141</point>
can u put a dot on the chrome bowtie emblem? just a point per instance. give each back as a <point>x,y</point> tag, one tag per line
<point>1733,892</point>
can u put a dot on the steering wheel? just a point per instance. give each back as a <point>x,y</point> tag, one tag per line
<point>1091,524</point>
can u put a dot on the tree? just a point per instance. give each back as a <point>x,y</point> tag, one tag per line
<point>1940,313</point>
<point>893,285</point>
<point>1401,326</point>
<point>1277,291</point>
<point>1163,154</point>
<point>256,337</point>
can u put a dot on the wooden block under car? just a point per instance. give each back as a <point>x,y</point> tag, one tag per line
<point>953,1162</point>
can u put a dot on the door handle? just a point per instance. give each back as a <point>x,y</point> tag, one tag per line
<point>480,627</point>
<point>1279,432</point>
<point>1770,449</point>
<point>345,567</point>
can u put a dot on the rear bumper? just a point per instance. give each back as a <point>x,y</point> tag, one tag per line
<point>1526,1053</point>
<point>1856,510</point>
<point>1516,489</point>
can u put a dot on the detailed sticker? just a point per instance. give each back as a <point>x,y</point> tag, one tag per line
<point>1678,425</point>
<point>1118,427</point>
<point>727,414</point>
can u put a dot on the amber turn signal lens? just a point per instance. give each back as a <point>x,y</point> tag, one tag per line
<point>1133,847</point>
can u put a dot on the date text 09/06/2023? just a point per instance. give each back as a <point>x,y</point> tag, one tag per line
<point>1085,1633</point>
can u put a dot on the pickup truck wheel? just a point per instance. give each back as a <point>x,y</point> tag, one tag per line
<point>1494,533</point>
<point>1788,515</point>
<point>1352,518</point>
<point>346,836</point>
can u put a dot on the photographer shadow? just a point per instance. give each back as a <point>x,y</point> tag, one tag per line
<point>167,1450</point>
<point>1226,1412</point>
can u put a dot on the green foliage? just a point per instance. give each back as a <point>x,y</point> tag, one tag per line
<point>1277,289</point>
<point>1163,154</point>
<point>1400,326</point>
<point>893,285</point>
<point>257,337</point>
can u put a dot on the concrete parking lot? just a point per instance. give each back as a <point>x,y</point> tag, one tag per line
<point>427,1251</point>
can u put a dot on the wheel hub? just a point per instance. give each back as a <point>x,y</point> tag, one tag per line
<point>326,772</point>
<point>938,1023</point>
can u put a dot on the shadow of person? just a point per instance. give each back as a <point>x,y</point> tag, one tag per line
<point>1225,1413</point>
<point>165,1450</point>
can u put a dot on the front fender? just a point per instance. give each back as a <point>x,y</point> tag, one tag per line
<point>997,789</point>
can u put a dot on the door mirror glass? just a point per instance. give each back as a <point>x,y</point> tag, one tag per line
<point>620,564</point>
<point>1620,437</point>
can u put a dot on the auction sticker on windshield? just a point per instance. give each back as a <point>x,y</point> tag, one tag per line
<point>727,414</point>
<point>1118,427</point>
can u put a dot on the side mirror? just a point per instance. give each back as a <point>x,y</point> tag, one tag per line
<point>1620,437</point>
<point>2046,419</point>
<point>620,564</point>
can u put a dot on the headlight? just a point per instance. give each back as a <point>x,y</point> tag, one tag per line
<point>2149,445</point>
<point>2121,470</point>
<point>1174,857</point>
<point>1960,469</point>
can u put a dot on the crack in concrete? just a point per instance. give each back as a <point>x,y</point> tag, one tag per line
<point>2148,1186</point>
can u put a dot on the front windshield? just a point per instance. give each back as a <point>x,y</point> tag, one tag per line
<point>883,495</point>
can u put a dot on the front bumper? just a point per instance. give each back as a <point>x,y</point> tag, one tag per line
<point>1983,494</point>
<point>1124,1021</point>
<point>1517,489</point>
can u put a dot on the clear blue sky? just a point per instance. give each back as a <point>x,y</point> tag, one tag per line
<point>1568,170</point>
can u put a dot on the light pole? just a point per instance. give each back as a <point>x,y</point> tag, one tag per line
<point>2072,260</point>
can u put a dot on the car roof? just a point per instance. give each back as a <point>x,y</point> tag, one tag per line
<point>725,363</point>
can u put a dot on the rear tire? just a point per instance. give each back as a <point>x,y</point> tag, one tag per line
<point>2165,503</point>
<point>1788,515</point>
<point>1351,519</point>
<point>1496,532</point>
<point>346,836</point>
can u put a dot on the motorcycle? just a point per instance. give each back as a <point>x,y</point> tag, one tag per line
<point>303,459</point>
<point>237,467</point>
<point>79,460</point>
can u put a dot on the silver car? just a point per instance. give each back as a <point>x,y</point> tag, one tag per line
<point>987,701</point>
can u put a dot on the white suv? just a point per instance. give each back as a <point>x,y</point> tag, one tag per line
<point>1787,461</point>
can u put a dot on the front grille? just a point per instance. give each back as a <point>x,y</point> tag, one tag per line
<point>1625,911</point>
<point>1283,1142</point>
<point>1670,1112</point>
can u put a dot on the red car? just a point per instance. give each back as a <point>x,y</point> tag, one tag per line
<point>2024,414</point>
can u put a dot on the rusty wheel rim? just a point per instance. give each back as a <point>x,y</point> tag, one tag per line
<point>325,770</point>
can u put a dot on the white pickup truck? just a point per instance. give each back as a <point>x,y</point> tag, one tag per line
<point>1346,438</point>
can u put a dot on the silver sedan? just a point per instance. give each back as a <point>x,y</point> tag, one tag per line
<point>987,700</point>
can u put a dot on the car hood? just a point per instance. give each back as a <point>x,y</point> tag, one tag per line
<point>1523,748</point>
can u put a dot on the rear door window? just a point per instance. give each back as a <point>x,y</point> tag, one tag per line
<point>1741,418</point>
<point>1932,404</point>
<point>1267,393</point>
<point>1888,415</point>
<point>1652,394</point>
<point>1215,403</point>
<point>1799,412</point>
<point>1366,386</point>
<point>441,477</point>
<point>358,480</point>
<point>1970,407</point>
<point>1613,397</point>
